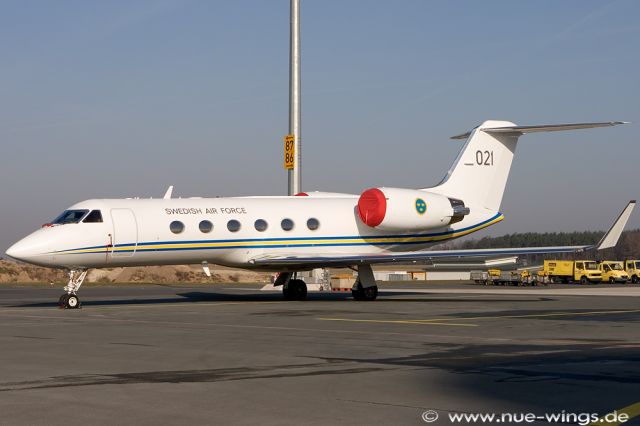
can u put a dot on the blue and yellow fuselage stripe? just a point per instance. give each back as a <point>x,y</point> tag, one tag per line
<point>377,240</point>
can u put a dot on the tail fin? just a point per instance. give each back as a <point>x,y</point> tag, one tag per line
<point>479,174</point>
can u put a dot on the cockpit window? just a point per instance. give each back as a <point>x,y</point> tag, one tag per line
<point>94,217</point>
<point>70,216</point>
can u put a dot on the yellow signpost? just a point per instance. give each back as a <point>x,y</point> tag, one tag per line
<point>289,151</point>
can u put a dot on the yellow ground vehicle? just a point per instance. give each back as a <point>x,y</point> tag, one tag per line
<point>633,270</point>
<point>494,273</point>
<point>565,271</point>
<point>498,277</point>
<point>613,272</point>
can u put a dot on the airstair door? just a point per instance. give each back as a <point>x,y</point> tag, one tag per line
<point>125,233</point>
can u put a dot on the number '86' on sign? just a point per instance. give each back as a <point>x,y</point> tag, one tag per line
<point>289,151</point>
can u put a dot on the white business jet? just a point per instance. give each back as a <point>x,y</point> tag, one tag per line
<point>298,233</point>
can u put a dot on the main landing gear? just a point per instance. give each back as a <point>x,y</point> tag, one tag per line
<point>365,287</point>
<point>70,300</point>
<point>295,290</point>
<point>292,288</point>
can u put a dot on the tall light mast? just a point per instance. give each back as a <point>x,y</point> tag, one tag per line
<point>294,99</point>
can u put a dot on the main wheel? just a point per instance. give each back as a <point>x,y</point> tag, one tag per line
<point>364,293</point>
<point>612,280</point>
<point>295,290</point>
<point>584,280</point>
<point>634,279</point>
<point>73,302</point>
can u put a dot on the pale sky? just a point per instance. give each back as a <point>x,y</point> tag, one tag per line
<point>123,98</point>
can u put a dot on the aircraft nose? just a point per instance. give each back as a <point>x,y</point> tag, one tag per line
<point>30,249</point>
<point>19,251</point>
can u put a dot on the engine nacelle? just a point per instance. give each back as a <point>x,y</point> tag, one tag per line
<point>399,209</point>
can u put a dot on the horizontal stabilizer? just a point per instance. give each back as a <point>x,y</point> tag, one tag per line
<point>520,130</point>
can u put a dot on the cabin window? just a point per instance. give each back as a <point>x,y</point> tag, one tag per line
<point>261,225</point>
<point>233,225</point>
<point>286,224</point>
<point>176,227</point>
<point>94,217</point>
<point>205,226</point>
<point>70,216</point>
<point>313,224</point>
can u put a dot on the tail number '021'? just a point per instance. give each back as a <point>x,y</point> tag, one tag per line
<point>484,158</point>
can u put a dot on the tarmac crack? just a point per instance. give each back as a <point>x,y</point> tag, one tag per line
<point>33,337</point>
<point>193,376</point>
<point>512,363</point>
<point>387,404</point>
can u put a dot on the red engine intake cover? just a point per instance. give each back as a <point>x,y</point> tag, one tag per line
<point>372,207</point>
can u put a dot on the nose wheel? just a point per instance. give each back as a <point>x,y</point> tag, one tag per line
<point>70,300</point>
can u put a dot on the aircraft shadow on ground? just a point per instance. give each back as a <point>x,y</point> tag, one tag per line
<point>209,297</point>
<point>189,297</point>
<point>597,374</point>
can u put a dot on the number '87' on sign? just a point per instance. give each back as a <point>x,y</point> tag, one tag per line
<point>289,151</point>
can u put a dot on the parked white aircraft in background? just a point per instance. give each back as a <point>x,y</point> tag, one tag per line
<point>291,234</point>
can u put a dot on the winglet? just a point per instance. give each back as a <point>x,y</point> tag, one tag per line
<point>610,239</point>
<point>169,192</point>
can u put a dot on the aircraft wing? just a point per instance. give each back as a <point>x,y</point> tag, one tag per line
<point>317,260</point>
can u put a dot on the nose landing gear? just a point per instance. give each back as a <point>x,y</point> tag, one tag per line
<point>70,300</point>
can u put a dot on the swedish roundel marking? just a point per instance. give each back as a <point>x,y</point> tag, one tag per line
<point>421,206</point>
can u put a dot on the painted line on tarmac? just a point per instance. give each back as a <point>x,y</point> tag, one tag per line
<point>149,303</point>
<point>183,304</point>
<point>419,322</point>
<point>101,318</point>
<point>306,330</point>
<point>551,314</point>
<point>446,321</point>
